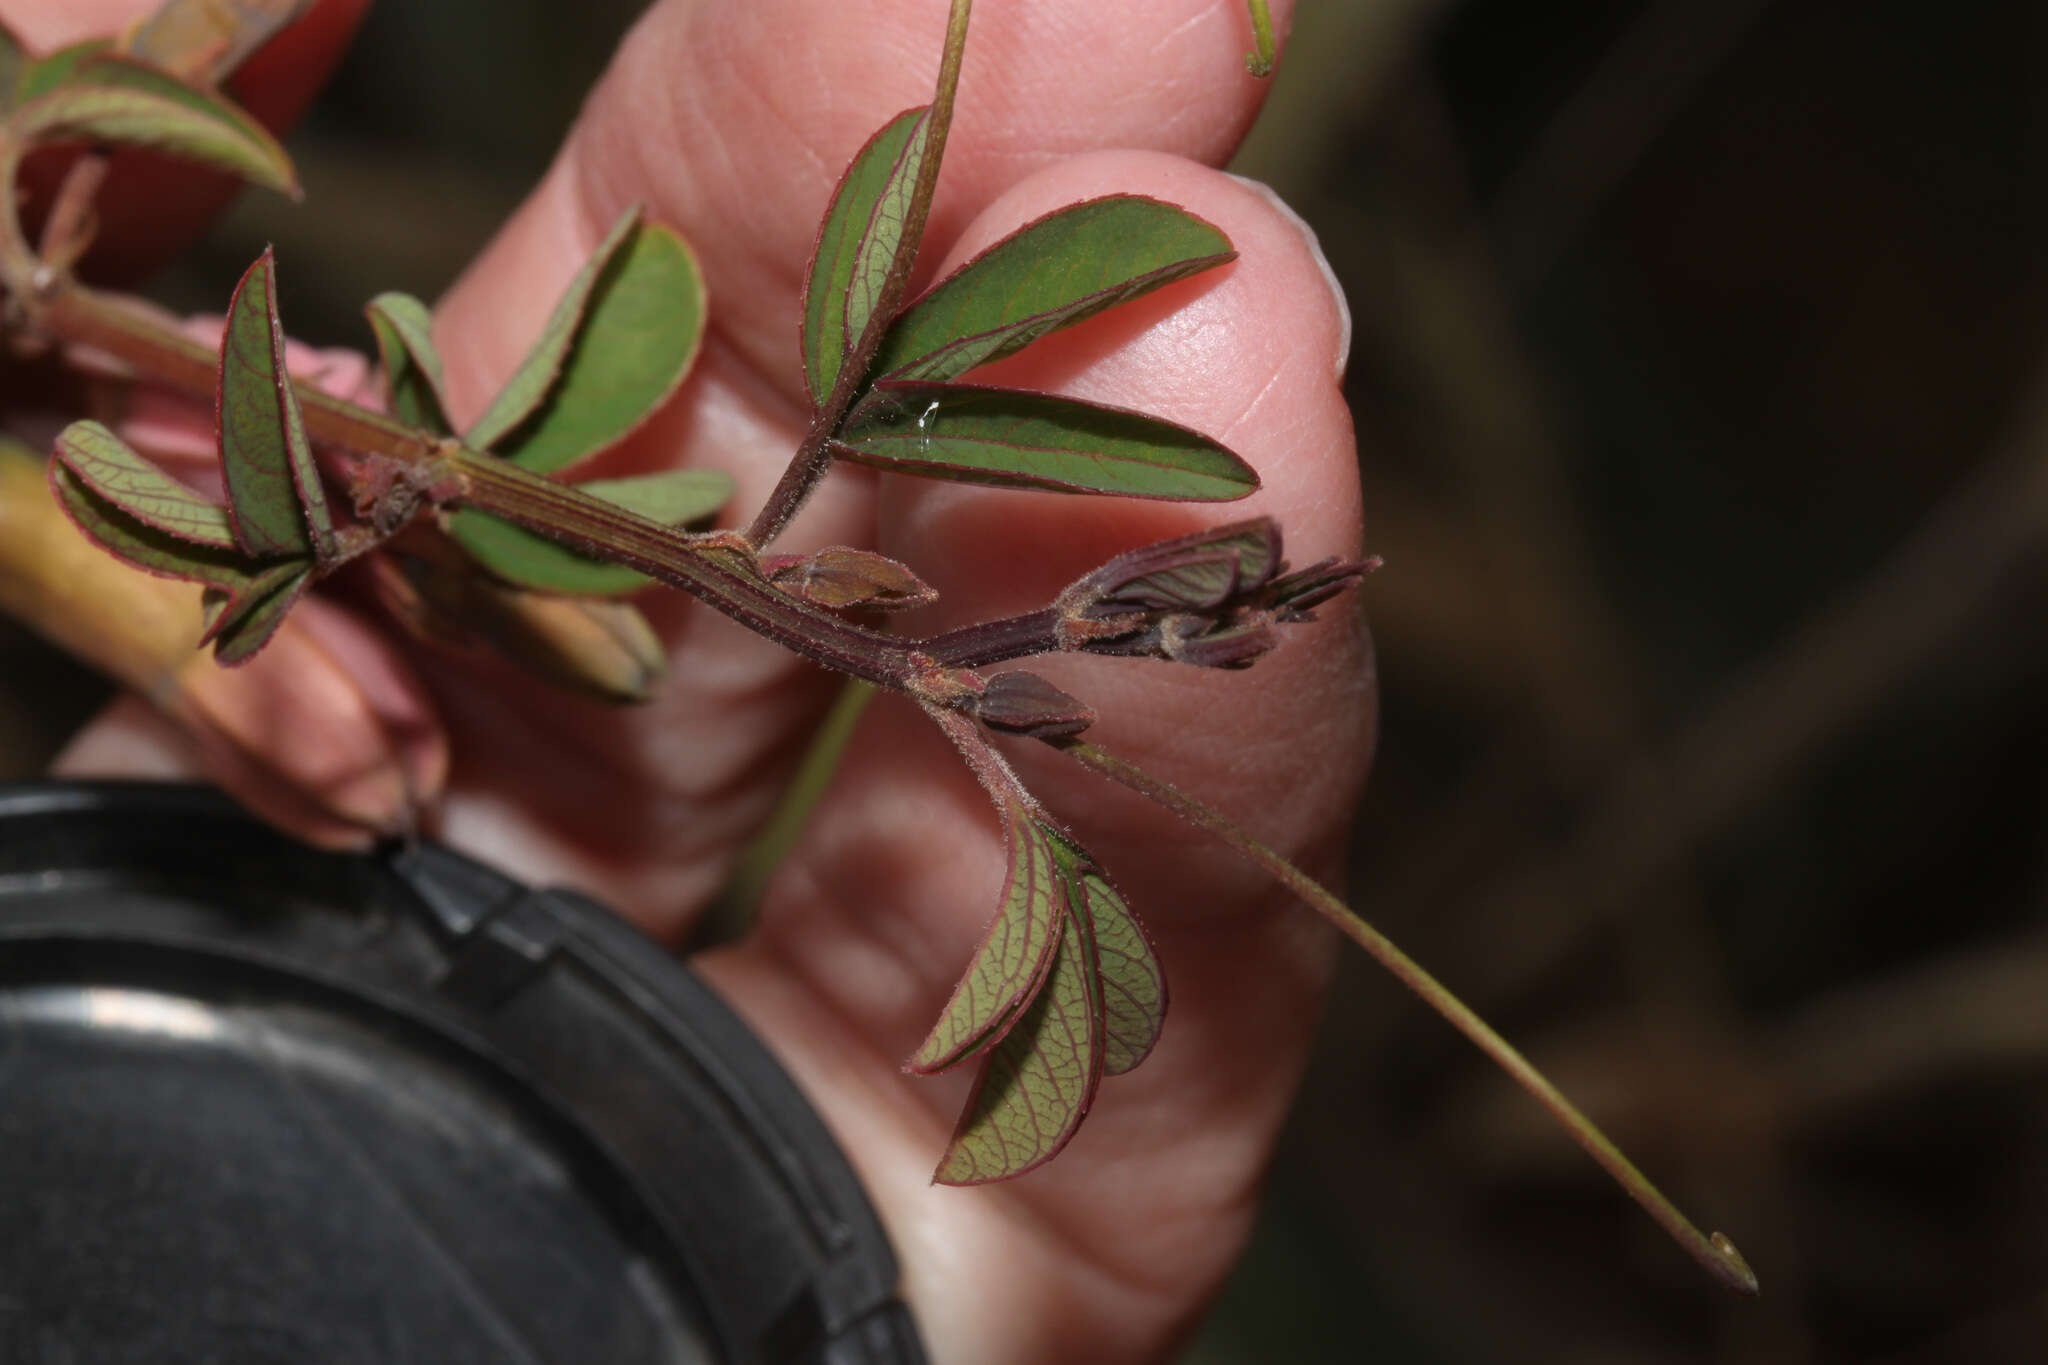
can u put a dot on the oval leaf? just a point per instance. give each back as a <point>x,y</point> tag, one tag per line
<point>642,325</point>
<point>113,99</point>
<point>861,243</point>
<point>412,366</point>
<point>1013,959</point>
<point>242,627</point>
<point>605,650</point>
<point>1019,439</point>
<point>527,560</point>
<point>1055,272</point>
<point>530,383</point>
<point>137,543</point>
<point>274,493</point>
<point>1039,1081</point>
<point>14,60</point>
<point>106,464</point>
<point>41,75</point>
<point>1133,987</point>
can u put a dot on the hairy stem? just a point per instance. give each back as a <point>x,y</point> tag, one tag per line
<point>1259,61</point>
<point>1715,1252</point>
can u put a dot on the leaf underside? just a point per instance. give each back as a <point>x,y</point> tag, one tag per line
<point>244,599</point>
<point>1133,987</point>
<point>860,243</point>
<point>1052,273</point>
<point>104,463</point>
<point>527,560</point>
<point>1017,438</point>
<point>97,94</point>
<point>1064,990</point>
<point>243,626</point>
<point>1040,1079</point>
<point>1013,958</point>
<point>274,495</point>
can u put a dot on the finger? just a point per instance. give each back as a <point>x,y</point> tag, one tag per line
<point>710,117</point>
<point>880,909</point>
<point>324,734</point>
<point>742,152</point>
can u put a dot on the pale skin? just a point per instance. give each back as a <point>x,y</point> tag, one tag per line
<point>732,121</point>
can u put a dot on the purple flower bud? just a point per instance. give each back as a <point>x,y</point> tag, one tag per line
<point>1021,703</point>
<point>838,576</point>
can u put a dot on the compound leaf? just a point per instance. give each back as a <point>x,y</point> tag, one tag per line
<point>1021,439</point>
<point>1052,273</point>
<point>244,599</point>
<point>1039,1080</point>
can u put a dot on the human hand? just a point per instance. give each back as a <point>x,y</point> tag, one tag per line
<point>714,116</point>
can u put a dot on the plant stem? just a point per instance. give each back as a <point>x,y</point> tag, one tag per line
<point>707,567</point>
<point>1259,61</point>
<point>993,642</point>
<point>814,457</point>
<point>1715,1252</point>
<point>163,355</point>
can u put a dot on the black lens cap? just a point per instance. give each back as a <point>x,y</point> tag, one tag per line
<point>260,1103</point>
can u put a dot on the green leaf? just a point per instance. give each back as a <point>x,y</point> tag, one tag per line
<point>530,383</point>
<point>41,75</point>
<point>106,465</point>
<point>113,99</point>
<point>274,493</point>
<point>521,557</point>
<point>1014,956</point>
<point>14,59</point>
<point>1063,268</point>
<point>1039,1081</point>
<point>1133,988</point>
<point>861,243</point>
<point>137,543</point>
<point>412,366</point>
<point>244,599</point>
<point>242,627</point>
<point>641,330</point>
<point>1020,439</point>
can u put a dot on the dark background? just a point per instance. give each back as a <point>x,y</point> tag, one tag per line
<point>1703,404</point>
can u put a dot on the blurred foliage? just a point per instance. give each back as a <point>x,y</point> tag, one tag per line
<point>1703,404</point>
